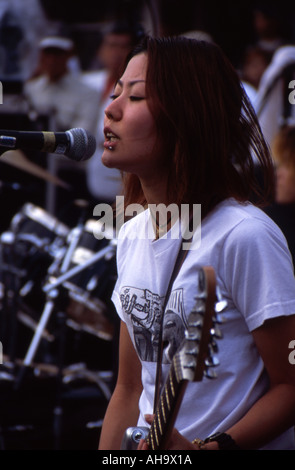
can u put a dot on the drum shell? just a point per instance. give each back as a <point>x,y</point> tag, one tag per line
<point>90,290</point>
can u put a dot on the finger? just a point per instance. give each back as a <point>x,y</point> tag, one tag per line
<point>142,445</point>
<point>149,418</point>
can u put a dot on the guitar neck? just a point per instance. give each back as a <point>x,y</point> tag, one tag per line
<point>167,409</point>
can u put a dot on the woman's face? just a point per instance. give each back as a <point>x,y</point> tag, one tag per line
<point>285,184</point>
<point>130,131</point>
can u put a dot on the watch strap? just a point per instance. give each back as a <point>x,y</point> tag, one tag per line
<point>225,441</point>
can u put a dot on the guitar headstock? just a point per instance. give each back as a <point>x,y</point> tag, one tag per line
<point>197,355</point>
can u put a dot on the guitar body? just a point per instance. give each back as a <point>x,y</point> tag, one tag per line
<point>194,359</point>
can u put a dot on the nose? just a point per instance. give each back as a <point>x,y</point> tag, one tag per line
<point>113,111</point>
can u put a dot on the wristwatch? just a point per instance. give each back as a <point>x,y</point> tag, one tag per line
<point>225,441</point>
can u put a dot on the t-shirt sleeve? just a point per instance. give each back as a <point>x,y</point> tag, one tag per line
<point>258,271</point>
<point>123,247</point>
<point>120,266</point>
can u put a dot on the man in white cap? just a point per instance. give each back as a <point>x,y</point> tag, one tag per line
<point>60,93</point>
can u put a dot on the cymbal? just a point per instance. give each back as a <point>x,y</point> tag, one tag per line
<point>17,159</point>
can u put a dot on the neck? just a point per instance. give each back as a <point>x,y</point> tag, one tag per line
<point>155,190</point>
<point>158,201</point>
<point>56,77</point>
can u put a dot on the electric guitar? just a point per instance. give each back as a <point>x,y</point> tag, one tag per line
<point>194,359</point>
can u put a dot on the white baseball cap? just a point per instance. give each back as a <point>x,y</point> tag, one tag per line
<point>57,42</point>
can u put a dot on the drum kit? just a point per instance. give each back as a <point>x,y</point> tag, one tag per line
<point>56,318</point>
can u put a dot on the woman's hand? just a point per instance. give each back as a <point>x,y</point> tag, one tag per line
<point>176,442</point>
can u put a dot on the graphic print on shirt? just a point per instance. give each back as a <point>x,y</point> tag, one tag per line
<point>145,310</point>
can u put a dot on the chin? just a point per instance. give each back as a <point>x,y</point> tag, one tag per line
<point>107,160</point>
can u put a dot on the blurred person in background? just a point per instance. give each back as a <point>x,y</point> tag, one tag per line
<point>273,105</point>
<point>58,91</point>
<point>105,183</point>
<point>254,64</point>
<point>269,26</point>
<point>283,209</point>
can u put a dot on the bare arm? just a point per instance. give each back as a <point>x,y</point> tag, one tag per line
<point>122,410</point>
<point>274,412</point>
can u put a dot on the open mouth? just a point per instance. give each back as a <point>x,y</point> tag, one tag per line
<point>111,137</point>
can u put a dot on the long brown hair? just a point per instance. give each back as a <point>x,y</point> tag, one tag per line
<point>209,129</point>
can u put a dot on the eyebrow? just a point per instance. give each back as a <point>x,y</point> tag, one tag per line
<point>131,83</point>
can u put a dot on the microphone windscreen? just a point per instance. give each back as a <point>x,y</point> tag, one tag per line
<point>83,144</point>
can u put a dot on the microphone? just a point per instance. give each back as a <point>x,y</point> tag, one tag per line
<point>77,144</point>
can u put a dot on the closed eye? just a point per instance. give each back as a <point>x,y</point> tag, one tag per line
<point>132,98</point>
<point>136,98</point>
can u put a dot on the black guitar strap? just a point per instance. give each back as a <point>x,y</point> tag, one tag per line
<point>179,260</point>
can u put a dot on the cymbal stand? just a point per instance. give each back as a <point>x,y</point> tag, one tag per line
<point>106,252</point>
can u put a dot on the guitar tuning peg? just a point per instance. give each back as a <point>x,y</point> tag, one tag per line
<point>197,323</point>
<point>220,305</point>
<point>213,347</point>
<point>210,373</point>
<point>193,336</point>
<point>193,351</point>
<point>216,332</point>
<point>211,361</point>
<point>190,365</point>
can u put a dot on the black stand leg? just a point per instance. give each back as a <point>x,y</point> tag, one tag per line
<point>58,409</point>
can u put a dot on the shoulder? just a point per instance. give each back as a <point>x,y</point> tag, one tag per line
<point>132,231</point>
<point>242,237</point>
<point>252,233</point>
<point>243,220</point>
<point>75,82</point>
<point>35,84</point>
<point>135,223</point>
<point>95,79</point>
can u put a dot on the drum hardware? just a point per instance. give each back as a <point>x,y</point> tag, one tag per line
<point>78,269</point>
<point>48,228</point>
<point>95,424</point>
<point>54,287</point>
<point>59,273</point>
<point>48,309</point>
<point>73,239</point>
<point>10,280</point>
<point>52,292</point>
<point>79,302</point>
<point>79,371</point>
<point>17,159</point>
<point>34,239</point>
<point>32,324</point>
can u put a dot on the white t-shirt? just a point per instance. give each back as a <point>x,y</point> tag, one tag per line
<point>254,272</point>
<point>69,101</point>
